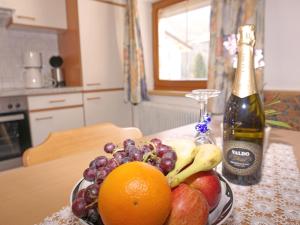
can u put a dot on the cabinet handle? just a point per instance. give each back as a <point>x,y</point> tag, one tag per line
<point>44,118</point>
<point>93,98</point>
<point>26,17</point>
<point>93,84</point>
<point>57,100</point>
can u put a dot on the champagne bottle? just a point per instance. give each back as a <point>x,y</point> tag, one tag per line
<point>244,120</point>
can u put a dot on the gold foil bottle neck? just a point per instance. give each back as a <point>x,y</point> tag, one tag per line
<point>244,83</point>
<point>246,35</point>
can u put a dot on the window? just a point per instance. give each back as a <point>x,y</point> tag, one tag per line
<point>181,44</point>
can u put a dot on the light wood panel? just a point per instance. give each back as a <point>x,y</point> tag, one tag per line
<point>69,46</point>
<point>167,93</point>
<point>63,143</point>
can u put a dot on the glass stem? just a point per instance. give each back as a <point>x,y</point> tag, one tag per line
<point>202,112</point>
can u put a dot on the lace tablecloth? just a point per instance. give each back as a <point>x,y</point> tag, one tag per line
<point>274,201</point>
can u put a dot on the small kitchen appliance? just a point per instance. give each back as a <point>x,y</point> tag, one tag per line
<point>56,71</point>
<point>32,62</point>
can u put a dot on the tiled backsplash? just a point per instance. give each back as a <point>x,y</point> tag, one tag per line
<point>13,43</point>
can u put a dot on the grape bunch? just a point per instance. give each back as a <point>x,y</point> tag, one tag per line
<point>154,152</point>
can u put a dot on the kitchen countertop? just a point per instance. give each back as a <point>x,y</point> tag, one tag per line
<point>38,91</point>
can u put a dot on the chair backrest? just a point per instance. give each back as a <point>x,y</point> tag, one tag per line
<point>63,143</point>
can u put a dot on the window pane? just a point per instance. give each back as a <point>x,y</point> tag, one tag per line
<point>183,32</point>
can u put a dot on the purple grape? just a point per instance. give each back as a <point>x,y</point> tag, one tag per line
<point>156,141</point>
<point>166,165</point>
<point>118,156</point>
<point>93,216</point>
<point>79,207</point>
<point>81,193</point>
<point>136,155</point>
<point>101,175</point>
<point>91,193</point>
<point>92,164</point>
<point>100,161</point>
<point>157,166</point>
<point>89,174</point>
<point>107,169</point>
<point>126,160</point>
<point>122,153</point>
<point>109,147</point>
<point>112,164</point>
<point>170,155</point>
<point>145,149</point>
<point>162,149</point>
<point>129,148</point>
<point>128,142</point>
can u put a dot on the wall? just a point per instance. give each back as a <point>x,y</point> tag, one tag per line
<point>282,46</point>
<point>13,43</point>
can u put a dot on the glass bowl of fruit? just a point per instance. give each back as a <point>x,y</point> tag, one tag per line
<point>151,180</point>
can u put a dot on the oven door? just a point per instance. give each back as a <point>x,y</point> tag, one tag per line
<point>14,135</point>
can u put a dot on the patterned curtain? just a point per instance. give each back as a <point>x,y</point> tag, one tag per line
<point>134,70</point>
<point>226,17</point>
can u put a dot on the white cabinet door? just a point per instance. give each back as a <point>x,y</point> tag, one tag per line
<point>53,101</point>
<point>4,4</point>
<point>44,122</point>
<point>101,42</point>
<point>107,107</point>
<point>39,13</point>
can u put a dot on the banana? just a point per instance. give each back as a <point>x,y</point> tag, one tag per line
<point>185,151</point>
<point>208,156</point>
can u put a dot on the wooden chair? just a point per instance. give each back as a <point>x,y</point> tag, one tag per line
<point>63,143</point>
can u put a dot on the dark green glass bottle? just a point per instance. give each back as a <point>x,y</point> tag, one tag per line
<point>244,119</point>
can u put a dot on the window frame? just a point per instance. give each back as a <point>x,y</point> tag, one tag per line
<point>184,85</point>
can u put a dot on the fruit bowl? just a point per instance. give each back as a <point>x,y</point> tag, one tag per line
<point>216,217</point>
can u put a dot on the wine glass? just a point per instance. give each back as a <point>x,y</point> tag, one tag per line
<point>204,134</point>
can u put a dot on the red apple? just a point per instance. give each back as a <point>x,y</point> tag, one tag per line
<point>209,184</point>
<point>189,207</point>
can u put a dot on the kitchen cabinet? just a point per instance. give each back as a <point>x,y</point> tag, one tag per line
<point>44,122</point>
<point>54,101</point>
<point>101,28</point>
<point>4,4</point>
<point>47,14</point>
<point>107,106</point>
<point>54,113</point>
<point>93,51</point>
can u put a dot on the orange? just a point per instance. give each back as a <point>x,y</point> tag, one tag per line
<point>134,193</point>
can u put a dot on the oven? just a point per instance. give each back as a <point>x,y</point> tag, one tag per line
<point>14,134</point>
<point>14,131</point>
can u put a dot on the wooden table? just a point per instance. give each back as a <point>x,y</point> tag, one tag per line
<point>29,194</point>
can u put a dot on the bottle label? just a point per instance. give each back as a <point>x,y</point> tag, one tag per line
<point>242,158</point>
